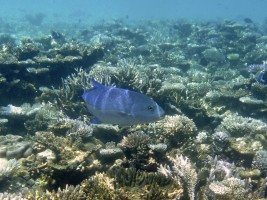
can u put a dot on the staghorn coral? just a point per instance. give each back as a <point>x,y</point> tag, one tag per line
<point>132,73</point>
<point>182,171</point>
<point>127,74</point>
<point>13,196</point>
<point>73,83</point>
<point>132,177</point>
<point>67,98</point>
<point>78,128</point>
<point>103,73</point>
<point>69,192</point>
<point>12,176</point>
<point>138,184</point>
<point>8,168</point>
<point>103,187</point>
<point>99,186</point>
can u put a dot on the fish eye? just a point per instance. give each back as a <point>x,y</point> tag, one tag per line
<point>150,107</point>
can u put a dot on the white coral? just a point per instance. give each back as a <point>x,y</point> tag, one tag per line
<point>231,188</point>
<point>8,167</point>
<point>78,127</point>
<point>24,110</point>
<point>184,170</point>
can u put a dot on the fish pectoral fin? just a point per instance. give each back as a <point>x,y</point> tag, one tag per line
<point>123,114</point>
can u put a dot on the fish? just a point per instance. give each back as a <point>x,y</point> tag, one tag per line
<point>261,77</point>
<point>112,105</point>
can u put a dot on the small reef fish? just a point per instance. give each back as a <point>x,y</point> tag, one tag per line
<point>260,71</point>
<point>119,106</point>
<point>261,77</point>
<point>254,68</point>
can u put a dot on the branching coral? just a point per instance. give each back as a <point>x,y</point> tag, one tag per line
<point>103,73</point>
<point>8,168</point>
<point>136,140</point>
<point>135,178</point>
<point>182,171</point>
<point>260,160</point>
<point>231,188</point>
<point>78,128</point>
<point>224,182</point>
<point>240,126</point>
<point>221,170</point>
<point>136,149</point>
<point>67,98</point>
<point>150,185</point>
<point>74,83</point>
<point>175,129</point>
<point>46,115</point>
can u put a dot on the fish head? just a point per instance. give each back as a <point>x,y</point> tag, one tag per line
<point>148,111</point>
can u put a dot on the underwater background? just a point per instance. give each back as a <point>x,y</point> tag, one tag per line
<point>203,62</point>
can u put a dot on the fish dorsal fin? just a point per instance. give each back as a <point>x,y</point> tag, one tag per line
<point>95,83</point>
<point>95,86</point>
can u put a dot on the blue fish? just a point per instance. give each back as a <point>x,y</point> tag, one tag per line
<point>261,77</point>
<point>113,105</point>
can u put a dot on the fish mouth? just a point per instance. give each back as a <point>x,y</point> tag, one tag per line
<point>162,114</point>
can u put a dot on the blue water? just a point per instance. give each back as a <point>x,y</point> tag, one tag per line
<point>92,10</point>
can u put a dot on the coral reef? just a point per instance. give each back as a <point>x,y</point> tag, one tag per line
<point>240,126</point>
<point>182,171</point>
<point>136,149</point>
<point>8,168</point>
<point>228,189</point>
<point>174,130</point>
<point>224,182</point>
<point>205,75</point>
<point>260,160</point>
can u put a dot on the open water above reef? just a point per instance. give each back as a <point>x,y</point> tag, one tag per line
<point>207,70</point>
